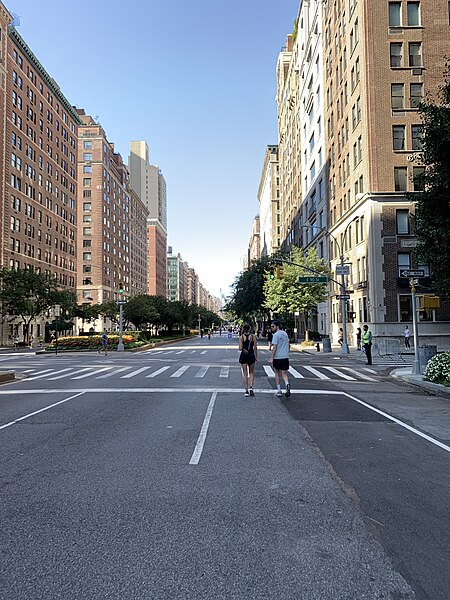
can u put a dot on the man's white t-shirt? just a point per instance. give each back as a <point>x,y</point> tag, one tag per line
<point>281,339</point>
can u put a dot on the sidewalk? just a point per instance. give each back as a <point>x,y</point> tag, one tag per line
<point>397,369</point>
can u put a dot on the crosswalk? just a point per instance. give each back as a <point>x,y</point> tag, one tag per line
<point>195,371</point>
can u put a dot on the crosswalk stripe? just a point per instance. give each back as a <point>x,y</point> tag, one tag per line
<point>180,371</point>
<point>70,374</point>
<point>202,371</point>
<point>168,351</point>
<point>295,373</point>
<point>155,351</point>
<point>269,371</point>
<point>92,372</point>
<point>224,371</point>
<point>369,370</point>
<point>133,373</point>
<point>193,351</point>
<point>204,352</point>
<point>358,374</point>
<point>180,352</point>
<point>121,370</point>
<point>316,372</point>
<point>46,373</point>
<point>339,374</point>
<point>158,372</point>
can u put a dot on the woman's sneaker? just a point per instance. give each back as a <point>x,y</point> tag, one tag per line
<point>252,393</point>
<point>246,393</point>
<point>288,390</point>
<point>279,393</point>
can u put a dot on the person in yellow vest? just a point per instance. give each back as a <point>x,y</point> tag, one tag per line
<point>367,343</point>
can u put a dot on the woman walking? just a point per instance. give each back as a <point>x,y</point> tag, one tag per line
<point>247,358</point>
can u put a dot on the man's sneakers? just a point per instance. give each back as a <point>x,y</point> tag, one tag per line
<point>246,393</point>
<point>279,393</point>
<point>288,390</point>
<point>252,393</point>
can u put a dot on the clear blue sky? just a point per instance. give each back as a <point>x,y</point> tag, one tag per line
<point>195,79</point>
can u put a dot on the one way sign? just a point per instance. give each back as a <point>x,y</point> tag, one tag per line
<point>408,273</point>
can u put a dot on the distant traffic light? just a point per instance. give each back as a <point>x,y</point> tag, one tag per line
<point>271,273</point>
<point>280,272</point>
<point>120,288</point>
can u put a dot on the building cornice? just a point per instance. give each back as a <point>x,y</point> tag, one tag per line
<point>51,83</point>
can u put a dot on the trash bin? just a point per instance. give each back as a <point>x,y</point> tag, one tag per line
<point>326,342</point>
<point>425,353</point>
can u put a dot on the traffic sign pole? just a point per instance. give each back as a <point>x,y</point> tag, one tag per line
<point>344,349</point>
<point>416,366</point>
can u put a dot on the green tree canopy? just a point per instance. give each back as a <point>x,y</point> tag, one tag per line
<point>287,295</point>
<point>433,203</point>
<point>247,297</point>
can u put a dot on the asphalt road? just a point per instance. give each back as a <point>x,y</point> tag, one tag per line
<point>150,476</point>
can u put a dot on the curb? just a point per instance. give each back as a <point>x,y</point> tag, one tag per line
<point>435,388</point>
<point>6,376</point>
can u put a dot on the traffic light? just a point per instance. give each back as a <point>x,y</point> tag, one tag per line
<point>280,272</point>
<point>271,273</point>
<point>120,288</point>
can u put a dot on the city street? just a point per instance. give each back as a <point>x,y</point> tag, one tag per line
<point>150,475</point>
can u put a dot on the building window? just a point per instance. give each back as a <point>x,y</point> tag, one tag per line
<point>403,262</point>
<point>415,54</point>
<point>87,256</point>
<point>87,169</point>
<point>415,94</point>
<point>418,183</point>
<point>87,206</point>
<point>413,13</point>
<point>402,221</point>
<point>400,179</point>
<point>398,137</point>
<point>87,156</point>
<point>397,95</point>
<point>87,145</point>
<point>87,231</point>
<point>396,55</point>
<point>395,14</point>
<point>405,308</point>
<point>416,136</point>
<point>87,181</point>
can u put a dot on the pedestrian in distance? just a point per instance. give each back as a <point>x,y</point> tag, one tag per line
<point>247,358</point>
<point>407,335</point>
<point>16,343</point>
<point>367,342</point>
<point>279,358</point>
<point>341,337</point>
<point>104,343</point>
<point>269,338</point>
<point>358,339</point>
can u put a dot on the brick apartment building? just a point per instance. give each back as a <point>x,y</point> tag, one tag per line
<point>380,59</point>
<point>38,179</point>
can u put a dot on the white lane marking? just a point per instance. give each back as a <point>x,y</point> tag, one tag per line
<point>269,371</point>
<point>295,373</point>
<point>46,374</point>
<point>405,425</point>
<point>29,370</point>
<point>359,374</point>
<point>193,351</point>
<point>133,373</point>
<point>155,373</point>
<point>155,351</point>
<point>339,374</point>
<point>316,372</point>
<point>150,390</point>
<point>180,352</point>
<point>203,352</point>
<point>39,411</point>
<point>180,371</point>
<point>94,372</point>
<point>224,371</point>
<point>202,371</point>
<point>196,455</point>
<point>369,370</point>
<point>112,373</point>
<point>69,374</point>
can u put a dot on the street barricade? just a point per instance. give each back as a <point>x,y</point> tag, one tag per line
<point>388,348</point>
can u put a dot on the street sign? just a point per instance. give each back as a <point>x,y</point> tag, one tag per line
<point>321,279</point>
<point>408,273</point>
<point>342,297</point>
<point>342,269</point>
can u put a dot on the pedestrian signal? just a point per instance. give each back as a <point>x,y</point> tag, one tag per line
<point>271,273</point>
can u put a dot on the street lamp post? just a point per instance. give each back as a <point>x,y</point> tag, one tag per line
<point>57,312</point>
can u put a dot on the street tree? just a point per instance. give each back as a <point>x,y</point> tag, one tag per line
<point>27,294</point>
<point>140,311</point>
<point>433,204</point>
<point>285,296</point>
<point>247,297</point>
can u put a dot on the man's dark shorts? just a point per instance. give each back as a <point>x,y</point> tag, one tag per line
<point>281,364</point>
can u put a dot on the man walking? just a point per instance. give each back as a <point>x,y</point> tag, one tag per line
<point>104,343</point>
<point>367,343</point>
<point>279,358</point>
<point>407,335</point>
